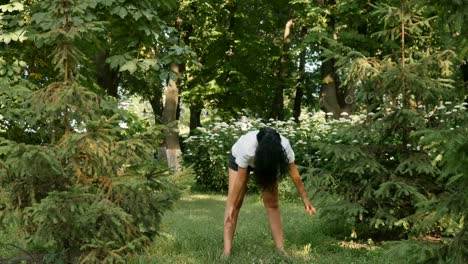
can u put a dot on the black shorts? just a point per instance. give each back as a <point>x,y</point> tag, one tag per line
<point>233,165</point>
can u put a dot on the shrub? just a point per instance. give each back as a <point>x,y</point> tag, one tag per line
<point>97,190</point>
<point>209,148</point>
<point>78,170</point>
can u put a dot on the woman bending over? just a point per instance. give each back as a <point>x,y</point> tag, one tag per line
<point>270,156</point>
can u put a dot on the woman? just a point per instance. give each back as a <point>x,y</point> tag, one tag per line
<point>270,156</point>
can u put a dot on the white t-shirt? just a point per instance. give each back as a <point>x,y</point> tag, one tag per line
<point>244,149</point>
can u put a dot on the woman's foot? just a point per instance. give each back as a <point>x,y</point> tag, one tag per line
<point>282,252</point>
<point>225,256</point>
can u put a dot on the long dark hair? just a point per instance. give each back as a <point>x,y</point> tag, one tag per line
<point>271,162</point>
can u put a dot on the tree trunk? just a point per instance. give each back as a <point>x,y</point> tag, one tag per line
<point>157,105</point>
<point>464,69</point>
<point>334,98</point>
<point>107,78</point>
<point>277,111</point>
<point>300,82</point>
<point>195,117</point>
<point>329,96</point>
<point>171,134</point>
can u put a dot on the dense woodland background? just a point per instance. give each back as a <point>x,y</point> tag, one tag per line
<point>373,94</point>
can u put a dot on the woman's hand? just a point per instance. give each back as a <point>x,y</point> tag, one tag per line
<point>300,188</point>
<point>309,208</point>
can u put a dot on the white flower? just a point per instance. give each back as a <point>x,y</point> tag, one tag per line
<point>418,148</point>
<point>448,112</point>
<point>344,114</point>
<point>371,114</point>
<point>442,107</point>
<point>329,114</point>
<point>392,158</point>
<point>408,145</point>
<point>355,141</point>
<point>448,103</point>
<point>316,137</point>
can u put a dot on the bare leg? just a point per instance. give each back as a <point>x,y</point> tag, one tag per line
<point>271,203</point>
<point>236,192</point>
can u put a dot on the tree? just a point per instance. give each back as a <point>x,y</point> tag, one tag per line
<point>382,177</point>
<point>79,170</point>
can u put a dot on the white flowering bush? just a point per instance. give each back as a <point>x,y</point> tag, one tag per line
<point>209,149</point>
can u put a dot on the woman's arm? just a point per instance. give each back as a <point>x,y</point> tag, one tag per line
<point>296,178</point>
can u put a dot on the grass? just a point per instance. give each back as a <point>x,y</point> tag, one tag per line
<point>193,233</point>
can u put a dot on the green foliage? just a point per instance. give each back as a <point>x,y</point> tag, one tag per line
<point>449,151</point>
<point>79,170</point>
<point>208,151</point>
<point>77,218</point>
<point>385,173</point>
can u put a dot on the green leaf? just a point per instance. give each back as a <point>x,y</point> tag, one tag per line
<point>7,38</point>
<point>117,61</point>
<point>15,6</point>
<point>129,66</point>
<point>120,11</point>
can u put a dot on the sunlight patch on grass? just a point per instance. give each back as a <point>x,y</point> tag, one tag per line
<point>303,253</point>
<point>356,245</point>
<point>196,197</point>
<point>198,217</point>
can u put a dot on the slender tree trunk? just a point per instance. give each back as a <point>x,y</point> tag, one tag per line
<point>107,78</point>
<point>277,111</point>
<point>301,81</point>
<point>171,134</point>
<point>464,69</point>
<point>195,117</point>
<point>157,104</point>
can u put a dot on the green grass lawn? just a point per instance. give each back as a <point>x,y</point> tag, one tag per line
<point>193,233</point>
